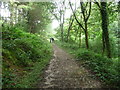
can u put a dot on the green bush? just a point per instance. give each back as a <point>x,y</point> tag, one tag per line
<point>101,66</point>
<point>21,49</point>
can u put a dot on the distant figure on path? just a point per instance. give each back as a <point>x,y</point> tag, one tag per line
<point>51,40</point>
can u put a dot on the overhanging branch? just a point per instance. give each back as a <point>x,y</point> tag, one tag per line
<point>75,16</point>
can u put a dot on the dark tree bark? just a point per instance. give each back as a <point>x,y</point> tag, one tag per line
<point>61,25</point>
<point>103,42</point>
<point>86,17</point>
<point>105,33</point>
<point>80,38</point>
<point>118,20</point>
<point>86,36</point>
<point>104,16</point>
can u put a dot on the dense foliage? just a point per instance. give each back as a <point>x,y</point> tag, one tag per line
<point>96,36</point>
<point>90,32</point>
<point>25,49</point>
<point>20,52</point>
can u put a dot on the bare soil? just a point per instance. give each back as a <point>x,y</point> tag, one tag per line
<point>64,72</point>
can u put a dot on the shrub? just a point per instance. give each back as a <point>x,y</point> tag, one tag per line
<point>101,66</point>
<point>21,49</point>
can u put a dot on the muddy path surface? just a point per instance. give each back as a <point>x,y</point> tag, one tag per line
<point>64,72</point>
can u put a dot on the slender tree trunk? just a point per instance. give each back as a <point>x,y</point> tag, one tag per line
<point>61,26</point>
<point>105,27</point>
<point>76,35</point>
<point>62,30</point>
<point>103,42</point>
<point>85,17</point>
<point>62,15</point>
<point>86,36</point>
<point>118,32</point>
<point>68,34</point>
<point>80,39</point>
<point>119,20</point>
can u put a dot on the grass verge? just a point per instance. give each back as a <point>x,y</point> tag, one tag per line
<point>107,70</point>
<point>30,80</point>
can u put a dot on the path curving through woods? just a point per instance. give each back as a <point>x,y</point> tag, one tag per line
<point>64,72</point>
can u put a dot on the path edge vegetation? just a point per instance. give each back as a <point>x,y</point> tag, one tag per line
<point>104,69</point>
<point>91,25</point>
<point>25,56</point>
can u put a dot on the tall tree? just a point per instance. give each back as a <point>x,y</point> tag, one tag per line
<point>62,21</point>
<point>119,19</point>
<point>38,17</point>
<point>86,14</point>
<point>105,34</point>
<point>59,13</point>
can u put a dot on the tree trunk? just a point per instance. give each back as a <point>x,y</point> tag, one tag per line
<point>86,36</point>
<point>62,31</point>
<point>68,34</point>
<point>118,21</point>
<point>80,39</point>
<point>105,27</point>
<point>63,27</point>
<point>103,42</point>
<point>76,34</point>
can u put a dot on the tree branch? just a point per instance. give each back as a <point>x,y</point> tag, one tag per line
<point>97,4</point>
<point>89,12</point>
<point>75,16</point>
<point>83,10</point>
<point>54,15</point>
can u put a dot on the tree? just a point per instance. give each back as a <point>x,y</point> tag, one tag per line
<point>69,28</point>
<point>105,34</point>
<point>38,17</point>
<point>86,14</point>
<point>59,13</point>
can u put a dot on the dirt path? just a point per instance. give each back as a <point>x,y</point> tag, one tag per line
<point>63,72</point>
